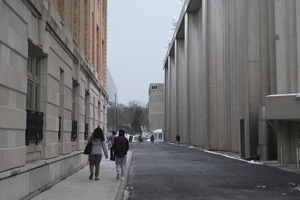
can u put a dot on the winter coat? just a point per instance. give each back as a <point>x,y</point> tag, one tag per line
<point>121,146</point>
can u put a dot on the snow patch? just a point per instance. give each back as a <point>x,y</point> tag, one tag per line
<point>235,158</point>
<point>297,188</point>
<point>227,156</point>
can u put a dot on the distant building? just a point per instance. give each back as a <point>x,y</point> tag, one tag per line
<point>52,89</point>
<point>112,108</point>
<point>156,106</point>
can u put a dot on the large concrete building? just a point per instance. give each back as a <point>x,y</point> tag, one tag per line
<point>52,89</point>
<point>156,106</point>
<point>232,78</point>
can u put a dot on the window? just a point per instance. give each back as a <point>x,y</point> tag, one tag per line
<point>74,130</point>
<point>33,84</point>
<point>154,87</point>
<point>86,131</point>
<point>34,123</point>
<point>74,122</point>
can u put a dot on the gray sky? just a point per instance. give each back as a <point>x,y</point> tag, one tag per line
<point>138,33</point>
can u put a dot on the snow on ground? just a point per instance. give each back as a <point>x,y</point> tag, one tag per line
<point>235,158</point>
<point>221,154</point>
<point>293,185</point>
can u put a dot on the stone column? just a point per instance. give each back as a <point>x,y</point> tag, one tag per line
<point>203,74</point>
<point>179,59</point>
<point>194,66</point>
<point>173,97</point>
<point>167,100</point>
<point>215,46</point>
<point>186,87</point>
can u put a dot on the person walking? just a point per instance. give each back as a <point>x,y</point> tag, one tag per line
<point>177,139</point>
<point>120,147</point>
<point>111,140</point>
<point>97,138</point>
<point>152,138</point>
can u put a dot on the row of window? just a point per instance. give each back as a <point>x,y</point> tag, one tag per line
<point>35,121</point>
<point>155,87</point>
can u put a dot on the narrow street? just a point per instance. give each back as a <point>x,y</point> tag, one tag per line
<point>166,171</point>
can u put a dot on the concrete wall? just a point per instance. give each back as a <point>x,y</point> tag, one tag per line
<point>285,78</point>
<point>229,56</point>
<point>13,86</point>
<point>290,103</point>
<point>66,75</point>
<point>156,106</point>
<point>201,44</point>
<point>27,181</point>
<point>179,49</point>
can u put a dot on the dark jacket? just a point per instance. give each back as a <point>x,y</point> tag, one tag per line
<point>121,146</point>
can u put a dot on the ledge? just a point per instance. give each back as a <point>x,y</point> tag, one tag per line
<point>36,164</point>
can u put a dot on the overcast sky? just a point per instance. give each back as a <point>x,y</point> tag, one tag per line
<point>138,34</point>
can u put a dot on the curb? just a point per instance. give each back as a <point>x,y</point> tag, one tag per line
<point>122,194</point>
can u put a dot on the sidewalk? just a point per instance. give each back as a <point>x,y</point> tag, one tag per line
<point>79,187</point>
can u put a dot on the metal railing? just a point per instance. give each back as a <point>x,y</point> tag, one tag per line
<point>34,126</point>
<point>86,131</point>
<point>59,127</point>
<point>74,130</point>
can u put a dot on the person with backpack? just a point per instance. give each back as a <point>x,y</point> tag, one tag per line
<point>111,140</point>
<point>120,147</point>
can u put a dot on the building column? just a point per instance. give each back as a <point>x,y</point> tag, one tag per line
<point>173,97</point>
<point>203,80</point>
<point>194,65</point>
<point>167,101</point>
<point>179,62</point>
<point>185,87</point>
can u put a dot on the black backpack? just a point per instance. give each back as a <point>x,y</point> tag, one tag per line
<point>120,146</point>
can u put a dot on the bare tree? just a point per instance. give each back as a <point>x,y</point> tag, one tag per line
<point>134,117</point>
<point>145,118</point>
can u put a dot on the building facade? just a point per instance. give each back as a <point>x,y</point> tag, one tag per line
<point>112,109</point>
<point>232,78</point>
<point>156,106</point>
<point>52,89</point>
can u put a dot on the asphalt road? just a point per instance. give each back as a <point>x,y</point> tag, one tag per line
<point>163,171</point>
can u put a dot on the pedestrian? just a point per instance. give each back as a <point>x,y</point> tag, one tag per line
<point>120,147</point>
<point>152,138</point>
<point>140,139</point>
<point>177,139</point>
<point>97,138</point>
<point>111,140</point>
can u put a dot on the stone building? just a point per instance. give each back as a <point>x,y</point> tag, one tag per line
<point>232,78</point>
<point>52,89</point>
<point>156,106</point>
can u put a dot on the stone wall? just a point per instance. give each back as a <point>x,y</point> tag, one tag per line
<point>70,88</point>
